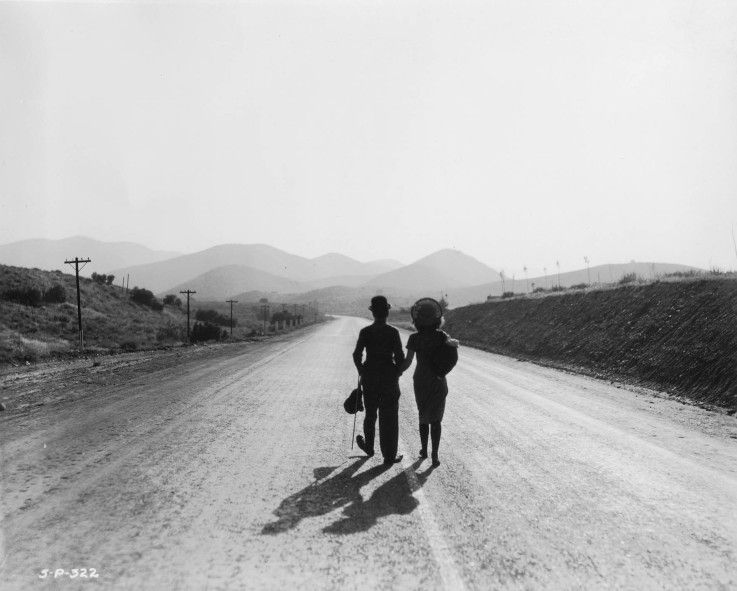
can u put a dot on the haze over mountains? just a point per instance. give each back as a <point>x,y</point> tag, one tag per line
<point>49,255</point>
<point>250,271</point>
<point>260,263</point>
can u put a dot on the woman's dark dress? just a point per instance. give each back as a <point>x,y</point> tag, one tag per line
<point>430,389</point>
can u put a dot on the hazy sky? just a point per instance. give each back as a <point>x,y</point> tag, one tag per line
<point>518,132</point>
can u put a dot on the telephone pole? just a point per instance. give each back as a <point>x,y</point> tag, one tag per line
<point>231,302</point>
<point>188,292</point>
<point>76,262</point>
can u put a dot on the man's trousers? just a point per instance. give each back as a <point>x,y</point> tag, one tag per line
<point>388,414</point>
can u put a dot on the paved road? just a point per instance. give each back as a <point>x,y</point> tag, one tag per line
<point>237,473</point>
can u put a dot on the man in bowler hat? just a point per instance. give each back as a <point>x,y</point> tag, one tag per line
<point>380,380</point>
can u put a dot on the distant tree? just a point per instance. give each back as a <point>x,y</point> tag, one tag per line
<point>142,296</point>
<point>101,279</point>
<point>206,331</point>
<point>213,317</point>
<point>172,300</point>
<point>110,279</point>
<point>281,316</point>
<point>508,294</point>
<point>55,295</point>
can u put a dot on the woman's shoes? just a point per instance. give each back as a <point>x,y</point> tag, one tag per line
<point>435,460</point>
<point>423,453</point>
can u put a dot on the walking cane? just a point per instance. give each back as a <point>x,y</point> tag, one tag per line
<point>355,412</point>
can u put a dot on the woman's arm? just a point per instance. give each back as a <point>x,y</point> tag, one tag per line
<point>407,361</point>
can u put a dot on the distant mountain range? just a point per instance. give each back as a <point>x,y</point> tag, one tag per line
<point>49,255</point>
<point>339,283</point>
<point>262,263</point>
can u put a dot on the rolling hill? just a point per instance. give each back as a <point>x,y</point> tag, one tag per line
<point>111,319</point>
<point>166,275</point>
<point>225,282</point>
<point>49,255</point>
<point>438,272</point>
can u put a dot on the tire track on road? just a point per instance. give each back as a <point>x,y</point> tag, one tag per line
<point>147,438</point>
<point>442,551</point>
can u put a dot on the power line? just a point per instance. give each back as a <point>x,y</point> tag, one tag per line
<point>188,292</point>
<point>231,302</point>
<point>76,262</point>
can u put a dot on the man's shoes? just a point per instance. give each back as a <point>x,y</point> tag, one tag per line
<point>390,462</point>
<point>361,443</point>
<point>423,453</point>
<point>435,460</point>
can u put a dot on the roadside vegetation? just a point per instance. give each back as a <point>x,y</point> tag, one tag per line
<point>628,279</point>
<point>677,334</point>
<point>38,317</point>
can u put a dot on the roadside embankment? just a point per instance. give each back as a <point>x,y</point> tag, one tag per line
<point>679,337</point>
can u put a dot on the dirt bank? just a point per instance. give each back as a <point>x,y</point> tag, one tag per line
<point>679,337</point>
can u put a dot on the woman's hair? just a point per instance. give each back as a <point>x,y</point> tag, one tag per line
<point>430,327</point>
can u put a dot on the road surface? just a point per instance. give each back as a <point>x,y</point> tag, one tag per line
<point>235,471</point>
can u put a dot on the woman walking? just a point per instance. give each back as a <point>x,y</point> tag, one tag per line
<point>430,388</point>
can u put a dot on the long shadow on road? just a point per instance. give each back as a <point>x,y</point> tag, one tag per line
<point>344,490</point>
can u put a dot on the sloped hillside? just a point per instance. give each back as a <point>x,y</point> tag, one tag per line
<point>232,279</point>
<point>29,331</point>
<point>679,336</point>
<point>606,274</point>
<point>438,272</point>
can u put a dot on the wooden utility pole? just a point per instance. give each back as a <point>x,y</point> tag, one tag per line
<point>231,302</point>
<point>76,262</point>
<point>189,292</point>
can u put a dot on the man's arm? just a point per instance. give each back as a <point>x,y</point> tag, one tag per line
<point>397,350</point>
<point>358,353</point>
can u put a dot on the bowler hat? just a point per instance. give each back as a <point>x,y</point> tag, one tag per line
<point>379,304</point>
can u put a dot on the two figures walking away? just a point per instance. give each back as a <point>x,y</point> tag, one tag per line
<point>385,362</point>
